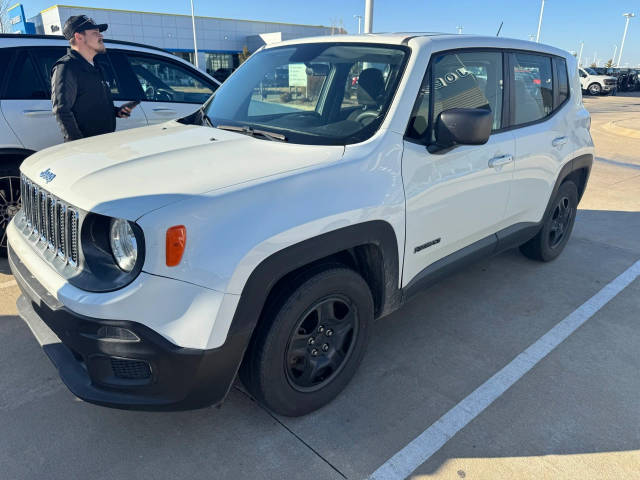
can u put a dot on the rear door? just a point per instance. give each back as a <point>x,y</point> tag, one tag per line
<point>456,197</point>
<point>168,89</point>
<point>26,104</point>
<point>543,134</point>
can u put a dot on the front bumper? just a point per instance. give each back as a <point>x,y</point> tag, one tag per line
<point>150,373</point>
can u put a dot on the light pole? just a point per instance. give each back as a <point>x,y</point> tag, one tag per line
<point>580,56</point>
<point>540,22</point>
<point>459,27</point>
<point>368,16</point>
<point>613,59</point>
<point>359,17</point>
<point>626,26</point>
<point>195,42</point>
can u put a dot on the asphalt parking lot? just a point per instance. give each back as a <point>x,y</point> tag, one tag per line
<point>575,413</point>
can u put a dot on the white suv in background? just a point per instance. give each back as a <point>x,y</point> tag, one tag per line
<point>167,86</point>
<point>596,84</point>
<point>265,232</point>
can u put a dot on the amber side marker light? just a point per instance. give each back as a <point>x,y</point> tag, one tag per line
<point>176,241</point>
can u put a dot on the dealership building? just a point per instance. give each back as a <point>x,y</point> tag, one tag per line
<point>219,40</point>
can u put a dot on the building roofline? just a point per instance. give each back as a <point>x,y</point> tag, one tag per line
<point>179,15</point>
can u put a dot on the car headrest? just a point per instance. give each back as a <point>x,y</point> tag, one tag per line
<point>370,87</point>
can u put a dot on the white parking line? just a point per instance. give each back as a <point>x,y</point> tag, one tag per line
<point>433,438</point>
<point>8,284</point>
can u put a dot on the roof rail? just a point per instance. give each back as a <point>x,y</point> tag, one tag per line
<point>60,37</point>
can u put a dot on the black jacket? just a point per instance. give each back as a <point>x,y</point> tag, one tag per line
<point>82,101</point>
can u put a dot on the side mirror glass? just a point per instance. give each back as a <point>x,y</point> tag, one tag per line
<point>463,126</point>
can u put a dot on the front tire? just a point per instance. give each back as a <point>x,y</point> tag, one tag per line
<point>595,89</point>
<point>310,343</point>
<point>9,200</point>
<point>557,227</point>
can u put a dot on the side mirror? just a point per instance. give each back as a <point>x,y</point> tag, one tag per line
<point>463,126</point>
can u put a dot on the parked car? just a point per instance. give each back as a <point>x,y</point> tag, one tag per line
<point>595,83</point>
<point>168,87</point>
<point>265,237</point>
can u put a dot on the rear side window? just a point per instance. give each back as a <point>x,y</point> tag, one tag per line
<point>47,57</point>
<point>533,87</point>
<point>25,82</point>
<point>5,57</point>
<point>562,81</point>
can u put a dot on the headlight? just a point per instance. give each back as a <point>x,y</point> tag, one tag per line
<point>123,244</point>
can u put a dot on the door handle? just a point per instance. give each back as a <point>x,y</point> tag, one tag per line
<point>499,161</point>
<point>558,142</point>
<point>164,110</point>
<point>37,113</point>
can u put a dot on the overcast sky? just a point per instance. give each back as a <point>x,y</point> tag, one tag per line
<point>598,23</point>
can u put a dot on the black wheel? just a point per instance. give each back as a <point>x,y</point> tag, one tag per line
<point>9,201</point>
<point>557,227</point>
<point>594,89</point>
<point>310,342</point>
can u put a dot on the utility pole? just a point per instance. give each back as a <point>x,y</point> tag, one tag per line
<point>580,56</point>
<point>195,42</point>
<point>359,17</point>
<point>540,22</point>
<point>368,17</point>
<point>626,27</point>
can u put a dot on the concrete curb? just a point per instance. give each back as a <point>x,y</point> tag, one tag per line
<point>623,131</point>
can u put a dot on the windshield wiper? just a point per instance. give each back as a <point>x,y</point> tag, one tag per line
<point>254,132</point>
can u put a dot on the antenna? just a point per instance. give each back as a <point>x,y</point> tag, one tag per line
<point>498,34</point>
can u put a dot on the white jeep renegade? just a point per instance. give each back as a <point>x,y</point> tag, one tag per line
<point>326,182</point>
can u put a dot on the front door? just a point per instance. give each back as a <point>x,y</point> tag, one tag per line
<point>456,197</point>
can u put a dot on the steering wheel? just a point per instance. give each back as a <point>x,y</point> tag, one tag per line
<point>163,96</point>
<point>369,115</point>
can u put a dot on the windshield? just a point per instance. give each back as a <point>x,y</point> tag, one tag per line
<point>591,71</point>
<point>322,93</point>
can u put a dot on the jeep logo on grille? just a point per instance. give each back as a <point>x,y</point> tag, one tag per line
<point>47,175</point>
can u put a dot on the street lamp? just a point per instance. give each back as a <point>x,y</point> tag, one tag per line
<point>626,26</point>
<point>580,56</point>
<point>540,22</point>
<point>195,42</point>
<point>359,17</point>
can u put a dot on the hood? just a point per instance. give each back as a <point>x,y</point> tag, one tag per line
<point>603,77</point>
<point>129,173</point>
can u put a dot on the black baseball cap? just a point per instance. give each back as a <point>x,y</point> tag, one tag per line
<point>80,23</point>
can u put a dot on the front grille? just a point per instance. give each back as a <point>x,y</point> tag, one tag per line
<point>130,369</point>
<point>610,82</point>
<point>51,221</point>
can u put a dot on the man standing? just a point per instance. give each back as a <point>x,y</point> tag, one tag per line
<point>81,97</point>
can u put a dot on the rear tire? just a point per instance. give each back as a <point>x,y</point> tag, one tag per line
<point>9,199</point>
<point>310,342</point>
<point>557,227</point>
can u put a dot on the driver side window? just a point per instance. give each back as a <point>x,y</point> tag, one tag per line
<point>164,81</point>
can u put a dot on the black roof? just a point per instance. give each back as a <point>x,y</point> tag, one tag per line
<point>60,37</point>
